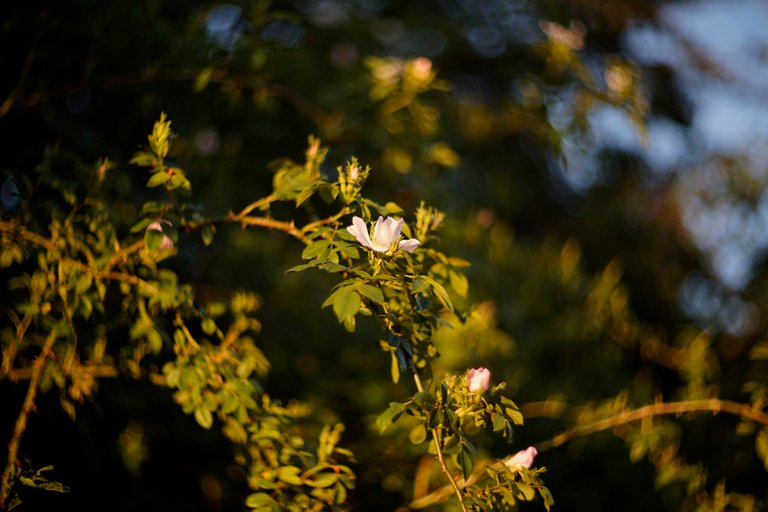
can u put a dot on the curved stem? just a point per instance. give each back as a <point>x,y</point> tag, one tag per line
<point>21,421</point>
<point>438,449</point>
<point>712,405</point>
<point>246,220</point>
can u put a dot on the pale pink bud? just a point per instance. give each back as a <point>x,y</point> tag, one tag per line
<point>522,459</point>
<point>479,379</point>
<point>167,243</point>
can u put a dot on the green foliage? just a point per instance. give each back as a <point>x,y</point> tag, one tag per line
<point>117,272</point>
<point>211,358</point>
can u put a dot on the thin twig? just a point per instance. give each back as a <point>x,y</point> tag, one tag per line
<point>439,450</point>
<point>262,222</point>
<point>21,421</point>
<point>555,409</point>
<point>713,405</point>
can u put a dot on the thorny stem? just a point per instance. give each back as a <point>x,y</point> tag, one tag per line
<point>21,421</point>
<point>438,449</point>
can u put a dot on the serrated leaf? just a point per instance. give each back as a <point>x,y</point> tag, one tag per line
<point>332,267</point>
<point>371,292</point>
<point>315,249</point>
<point>424,400</point>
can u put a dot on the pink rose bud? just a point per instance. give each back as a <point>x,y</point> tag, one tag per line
<point>522,459</point>
<point>479,379</point>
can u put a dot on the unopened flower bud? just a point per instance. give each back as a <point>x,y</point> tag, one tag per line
<point>479,379</point>
<point>522,459</point>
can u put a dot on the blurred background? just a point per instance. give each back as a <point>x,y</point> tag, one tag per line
<point>602,165</point>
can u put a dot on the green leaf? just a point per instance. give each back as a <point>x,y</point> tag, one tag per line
<point>418,434</point>
<point>391,209</point>
<point>508,497</point>
<point>761,446</point>
<point>323,480</point>
<point>235,432</point>
<point>499,423</point>
<point>144,159</point>
<point>204,417</point>
<point>346,304</point>
<point>153,238</point>
<point>303,266</point>
<point>464,460</point>
<point>439,292</point>
<point>141,225</point>
<point>331,267</point>
<point>158,179</point>
<point>419,285</point>
<point>83,283</point>
<point>514,415</point>
<point>161,132</point>
<point>207,233</point>
<point>178,180</point>
<point>459,283</point>
<point>258,499</point>
<point>203,78</point>
<point>389,416</point>
<point>305,194</point>
<point>527,491</point>
<point>394,367</point>
<point>371,292</point>
<point>315,249</point>
<point>424,400</point>
<point>290,475</point>
<point>208,326</point>
<point>759,351</point>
